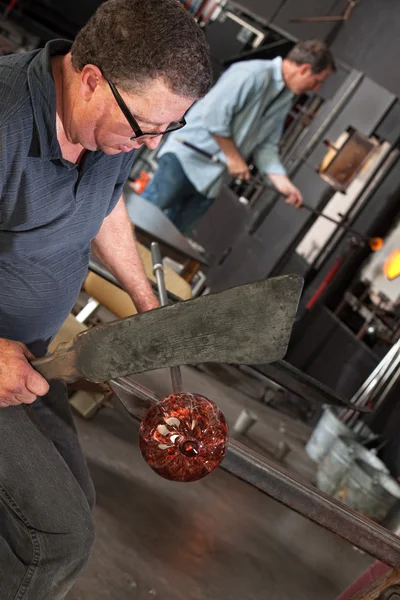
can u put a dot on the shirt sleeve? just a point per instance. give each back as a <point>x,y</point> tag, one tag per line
<point>126,168</point>
<point>266,155</point>
<point>235,89</point>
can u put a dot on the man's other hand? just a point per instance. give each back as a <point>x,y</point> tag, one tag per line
<point>19,382</point>
<point>237,167</point>
<point>294,197</point>
<point>285,186</point>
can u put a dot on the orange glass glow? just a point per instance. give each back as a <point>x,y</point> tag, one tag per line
<point>391,268</point>
<point>376,244</point>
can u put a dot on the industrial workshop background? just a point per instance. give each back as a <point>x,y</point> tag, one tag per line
<point>349,315</point>
<point>341,148</point>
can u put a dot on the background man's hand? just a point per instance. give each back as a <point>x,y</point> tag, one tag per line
<point>235,163</point>
<point>237,167</point>
<point>286,187</point>
<point>294,196</point>
<point>19,382</point>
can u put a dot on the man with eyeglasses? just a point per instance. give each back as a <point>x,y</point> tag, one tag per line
<point>242,117</point>
<point>71,116</point>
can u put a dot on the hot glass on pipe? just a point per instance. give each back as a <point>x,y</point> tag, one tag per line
<point>183,436</point>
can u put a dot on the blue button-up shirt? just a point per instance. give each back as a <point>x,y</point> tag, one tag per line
<point>50,208</point>
<point>248,104</point>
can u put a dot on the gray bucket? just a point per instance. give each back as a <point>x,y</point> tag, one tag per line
<point>325,433</point>
<point>336,463</point>
<point>369,491</point>
<point>392,519</point>
<point>369,457</point>
<point>339,459</point>
<point>390,494</point>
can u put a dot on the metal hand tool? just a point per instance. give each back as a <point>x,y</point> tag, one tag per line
<point>246,325</point>
<point>158,270</point>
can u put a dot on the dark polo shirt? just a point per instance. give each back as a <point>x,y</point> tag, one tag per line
<point>50,209</point>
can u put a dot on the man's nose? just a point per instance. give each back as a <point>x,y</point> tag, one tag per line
<point>153,143</point>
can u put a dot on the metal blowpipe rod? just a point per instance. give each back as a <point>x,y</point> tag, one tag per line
<point>213,157</point>
<point>374,243</point>
<point>158,270</point>
<point>318,213</point>
<point>277,483</point>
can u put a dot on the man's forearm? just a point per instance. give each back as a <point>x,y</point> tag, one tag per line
<point>227,146</point>
<point>115,247</point>
<point>280,181</point>
<point>236,164</point>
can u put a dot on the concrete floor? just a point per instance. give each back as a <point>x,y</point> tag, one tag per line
<point>216,539</point>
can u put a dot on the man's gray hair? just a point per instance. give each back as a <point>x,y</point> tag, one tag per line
<point>314,53</point>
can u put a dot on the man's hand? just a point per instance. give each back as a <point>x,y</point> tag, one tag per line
<point>237,167</point>
<point>293,196</point>
<point>286,187</point>
<point>235,163</point>
<point>19,382</point>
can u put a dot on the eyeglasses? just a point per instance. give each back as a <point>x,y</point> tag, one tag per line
<point>134,124</point>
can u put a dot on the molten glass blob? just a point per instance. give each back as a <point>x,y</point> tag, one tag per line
<point>183,437</point>
<point>376,244</point>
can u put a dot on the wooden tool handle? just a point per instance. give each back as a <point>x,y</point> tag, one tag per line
<point>60,364</point>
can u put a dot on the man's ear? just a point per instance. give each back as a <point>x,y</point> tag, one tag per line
<point>305,69</point>
<point>91,77</point>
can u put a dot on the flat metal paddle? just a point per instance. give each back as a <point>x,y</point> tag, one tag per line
<point>247,324</point>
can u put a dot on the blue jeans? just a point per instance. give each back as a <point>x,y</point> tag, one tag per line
<point>46,497</point>
<point>173,192</point>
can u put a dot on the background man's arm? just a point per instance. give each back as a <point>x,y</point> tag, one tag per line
<point>228,97</point>
<point>236,164</point>
<point>267,159</point>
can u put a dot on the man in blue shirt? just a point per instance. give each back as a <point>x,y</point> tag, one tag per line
<point>71,116</point>
<point>241,117</point>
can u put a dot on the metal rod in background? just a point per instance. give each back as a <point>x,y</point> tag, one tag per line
<point>296,382</point>
<point>367,386</point>
<point>379,381</point>
<point>212,157</point>
<point>379,393</point>
<point>365,238</point>
<point>374,243</point>
<point>364,393</point>
<point>277,483</point>
<point>158,270</point>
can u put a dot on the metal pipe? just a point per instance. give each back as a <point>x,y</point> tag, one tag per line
<point>279,484</point>
<point>318,213</point>
<point>285,488</point>
<point>212,157</point>
<point>371,382</point>
<point>379,391</point>
<point>215,159</point>
<point>158,270</point>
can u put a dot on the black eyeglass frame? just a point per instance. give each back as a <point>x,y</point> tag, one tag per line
<point>132,121</point>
